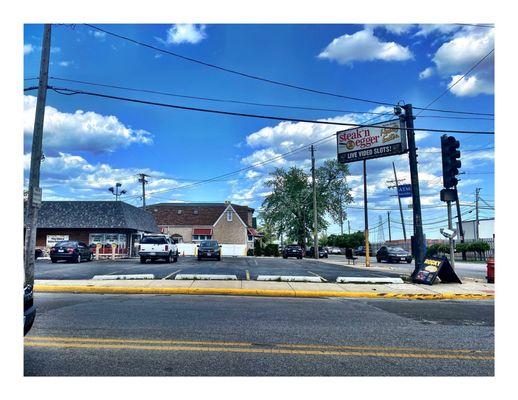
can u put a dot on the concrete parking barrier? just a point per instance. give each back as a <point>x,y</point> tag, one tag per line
<point>123,277</point>
<point>288,278</point>
<point>210,277</point>
<point>361,279</point>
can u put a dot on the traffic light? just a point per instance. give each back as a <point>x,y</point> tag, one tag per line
<point>450,161</point>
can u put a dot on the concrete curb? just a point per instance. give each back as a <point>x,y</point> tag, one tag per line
<point>256,292</point>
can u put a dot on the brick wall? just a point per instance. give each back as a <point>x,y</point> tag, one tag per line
<point>230,232</point>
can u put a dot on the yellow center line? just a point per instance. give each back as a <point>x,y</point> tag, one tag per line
<point>98,346</point>
<point>31,340</point>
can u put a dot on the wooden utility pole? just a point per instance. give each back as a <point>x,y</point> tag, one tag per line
<point>34,195</point>
<point>477,192</point>
<point>143,180</point>
<point>315,217</point>
<point>366,216</point>
<point>390,233</point>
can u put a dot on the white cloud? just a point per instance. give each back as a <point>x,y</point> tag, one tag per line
<point>81,130</point>
<point>457,55</point>
<point>428,29</point>
<point>65,63</point>
<point>364,46</point>
<point>28,48</point>
<point>426,73</point>
<point>71,173</point>
<point>185,33</point>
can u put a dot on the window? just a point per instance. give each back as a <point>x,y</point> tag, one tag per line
<point>179,212</point>
<point>229,216</point>
<point>250,238</point>
<point>195,212</point>
<point>153,240</point>
<point>199,238</point>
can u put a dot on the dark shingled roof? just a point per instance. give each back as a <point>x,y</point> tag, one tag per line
<point>94,214</point>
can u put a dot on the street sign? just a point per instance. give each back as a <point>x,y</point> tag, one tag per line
<point>404,190</point>
<point>363,143</point>
<point>36,197</point>
<point>434,267</point>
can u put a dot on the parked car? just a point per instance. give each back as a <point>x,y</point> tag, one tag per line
<point>292,250</point>
<point>322,252</point>
<point>209,249</point>
<point>393,254</point>
<point>360,251</point>
<point>29,310</point>
<point>334,250</point>
<point>157,246</point>
<point>70,250</point>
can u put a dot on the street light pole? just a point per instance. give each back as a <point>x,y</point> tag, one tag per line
<point>34,195</point>
<point>315,217</point>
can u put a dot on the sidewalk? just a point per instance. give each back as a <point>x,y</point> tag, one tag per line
<point>470,290</point>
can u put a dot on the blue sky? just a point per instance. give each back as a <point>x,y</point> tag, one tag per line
<point>91,143</point>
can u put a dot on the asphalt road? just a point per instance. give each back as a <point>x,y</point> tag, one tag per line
<point>255,266</point>
<point>135,335</point>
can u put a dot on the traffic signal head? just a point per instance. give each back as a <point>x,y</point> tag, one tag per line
<point>450,161</point>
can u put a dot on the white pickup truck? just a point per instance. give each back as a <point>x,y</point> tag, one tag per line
<point>153,247</point>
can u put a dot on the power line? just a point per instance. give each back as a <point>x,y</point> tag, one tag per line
<point>255,77</point>
<point>67,91</point>
<point>234,101</point>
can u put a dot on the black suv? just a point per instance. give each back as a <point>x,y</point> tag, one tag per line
<point>209,249</point>
<point>393,254</point>
<point>322,253</point>
<point>71,251</point>
<point>293,250</point>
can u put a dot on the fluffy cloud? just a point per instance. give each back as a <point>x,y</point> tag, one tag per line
<point>428,29</point>
<point>98,35</point>
<point>80,131</point>
<point>185,33</point>
<point>457,55</point>
<point>28,48</point>
<point>364,46</point>
<point>65,63</point>
<point>396,29</point>
<point>72,174</point>
<point>426,73</point>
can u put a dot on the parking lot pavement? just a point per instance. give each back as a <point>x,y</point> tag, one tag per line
<point>245,268</point>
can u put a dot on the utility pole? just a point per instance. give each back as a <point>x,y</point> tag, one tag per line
<point>34,195</point>
<point>142,180</point>
<point>477,192</point>
<point>390,233</point>
<point>418,238</point>
<point>349,226</point>
<point>399,201</point>
<point>450,239</point>
<point>366,216</point>
<point>341,214</point>
<point>459,219</point>
<point>315,219</point>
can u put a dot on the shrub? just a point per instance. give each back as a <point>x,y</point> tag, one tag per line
<point>250,252</point>
<point>258,251</point>
<point>437,248</point>
<point>271,250</point>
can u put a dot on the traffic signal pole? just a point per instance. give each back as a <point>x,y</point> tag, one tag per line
<point>418,242</point>
<point>34,197</point>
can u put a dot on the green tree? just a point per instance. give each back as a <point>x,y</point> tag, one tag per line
<point>289,207</point>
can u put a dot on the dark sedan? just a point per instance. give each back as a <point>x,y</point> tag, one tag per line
<point>322,253</point>
<point>71,251</point>
<point>293,250</point>
<point>29,310</point>
<point>209,249</point>
<point>393,254</point>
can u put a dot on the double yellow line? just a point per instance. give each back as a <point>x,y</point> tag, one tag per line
<point>246,347</point>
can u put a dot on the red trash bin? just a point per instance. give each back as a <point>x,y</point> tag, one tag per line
<point>490,270</point>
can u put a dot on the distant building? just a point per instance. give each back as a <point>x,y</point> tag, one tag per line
<point>93,222</point>
<point>486,229</point>
<point>230,224</point>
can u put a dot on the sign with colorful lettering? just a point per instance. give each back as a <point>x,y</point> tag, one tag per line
<point>434,267</point>
<point>379,140</point>
<point>404,190</point>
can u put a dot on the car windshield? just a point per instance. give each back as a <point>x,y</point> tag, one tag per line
<point>153,240</point>
<point>293,246</point>
<point>65,244</point>
<point>208,243</point>
<point>397,249</point>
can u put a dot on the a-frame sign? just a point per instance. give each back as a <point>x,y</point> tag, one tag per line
<point>434,267</point>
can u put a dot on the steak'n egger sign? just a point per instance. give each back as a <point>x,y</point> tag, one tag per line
<point>362,143</point>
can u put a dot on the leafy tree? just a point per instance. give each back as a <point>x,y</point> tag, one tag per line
<point>480,248</point>
<point>437,248</point>
<point>271,249</point>
<point>289,207</point>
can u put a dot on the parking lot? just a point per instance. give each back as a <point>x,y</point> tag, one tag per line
<point>244,268</point>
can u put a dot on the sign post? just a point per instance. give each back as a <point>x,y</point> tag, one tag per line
<point>365,143</point>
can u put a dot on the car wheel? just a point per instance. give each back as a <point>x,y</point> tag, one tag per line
<point>142,260</point>
<point>218,258</point>
<point>53,260</point>
<point>169,259</point>
<point>175,258</point>
<point>378,259</point>
<point>78,259</point>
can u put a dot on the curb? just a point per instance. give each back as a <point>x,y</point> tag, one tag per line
<point>257,292</point>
